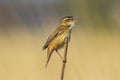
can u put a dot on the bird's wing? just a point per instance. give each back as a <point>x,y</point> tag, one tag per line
<point>57,32</point>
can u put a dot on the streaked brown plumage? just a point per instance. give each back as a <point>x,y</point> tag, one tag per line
<point>57,39</point>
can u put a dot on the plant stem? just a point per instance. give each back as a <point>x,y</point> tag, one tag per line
<point>64,61</point>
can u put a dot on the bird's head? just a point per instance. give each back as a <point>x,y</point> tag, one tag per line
<point>69,21</point>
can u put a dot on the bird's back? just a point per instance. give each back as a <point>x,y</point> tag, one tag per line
<point>54,35</point>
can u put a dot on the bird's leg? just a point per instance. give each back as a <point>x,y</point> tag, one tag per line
<point>59,54</point>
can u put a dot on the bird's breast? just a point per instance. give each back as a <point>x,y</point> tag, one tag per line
<point>59,40</point>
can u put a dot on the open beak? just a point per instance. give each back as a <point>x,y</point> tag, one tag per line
<point>76,18</point>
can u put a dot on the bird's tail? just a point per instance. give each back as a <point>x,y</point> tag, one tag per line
<point>48,57</point>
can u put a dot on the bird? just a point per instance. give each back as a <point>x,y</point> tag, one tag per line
<point>59,37</point>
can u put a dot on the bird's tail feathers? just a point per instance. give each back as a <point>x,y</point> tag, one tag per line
<point>48,57</point>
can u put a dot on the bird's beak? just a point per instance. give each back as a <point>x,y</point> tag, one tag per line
<point>76,18</point>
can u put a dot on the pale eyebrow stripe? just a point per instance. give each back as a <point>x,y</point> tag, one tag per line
<point>65,19</point>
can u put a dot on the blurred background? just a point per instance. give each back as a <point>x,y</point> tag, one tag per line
<point>94,50</point>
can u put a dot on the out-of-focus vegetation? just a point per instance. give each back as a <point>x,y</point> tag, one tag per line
<point>93,52</point>
<point>95,14</point>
